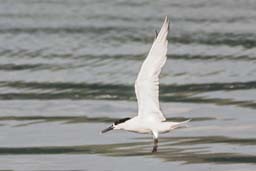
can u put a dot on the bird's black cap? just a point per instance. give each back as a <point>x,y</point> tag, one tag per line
<point>121,121</point>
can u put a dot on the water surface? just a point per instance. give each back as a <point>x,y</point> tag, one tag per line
<point>67,70</point>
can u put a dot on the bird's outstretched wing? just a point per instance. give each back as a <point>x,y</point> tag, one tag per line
<point>147,83</point>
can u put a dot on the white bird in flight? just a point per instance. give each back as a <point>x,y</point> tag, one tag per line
<point>150,118</point>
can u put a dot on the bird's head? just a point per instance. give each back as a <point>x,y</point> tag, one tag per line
<point>115,125</point>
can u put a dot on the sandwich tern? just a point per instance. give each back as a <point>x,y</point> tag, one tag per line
<point>150,118</point>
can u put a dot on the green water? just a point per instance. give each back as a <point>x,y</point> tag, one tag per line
<point>67,70</point>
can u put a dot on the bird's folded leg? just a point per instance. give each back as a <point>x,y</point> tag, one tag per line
<point>155,146</point>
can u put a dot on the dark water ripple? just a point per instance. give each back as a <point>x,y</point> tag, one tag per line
<point>230,39</point>
<point>171,152</point>
<point>128,34</point>
<point>67,30</point>
<point>116,88</point>
<point>137,57</point>
<point>17,67</point>
<point>168,93</point>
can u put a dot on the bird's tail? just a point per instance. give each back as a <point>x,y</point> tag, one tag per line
<point>180,124</point>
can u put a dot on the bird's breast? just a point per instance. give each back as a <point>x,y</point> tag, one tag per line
<point>139,129</point>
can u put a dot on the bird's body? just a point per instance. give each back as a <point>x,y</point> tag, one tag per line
<point>145,126</point>
<point>150,118</point>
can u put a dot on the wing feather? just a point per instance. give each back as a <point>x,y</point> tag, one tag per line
<point>147,82</point>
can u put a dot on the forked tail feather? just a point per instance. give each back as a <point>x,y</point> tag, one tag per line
<point>180,124</point>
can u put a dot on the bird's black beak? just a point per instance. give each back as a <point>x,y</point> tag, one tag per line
<point>107,129</point>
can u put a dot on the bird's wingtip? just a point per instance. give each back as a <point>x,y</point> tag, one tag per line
<point>156,34</point>
<point>166,19</point>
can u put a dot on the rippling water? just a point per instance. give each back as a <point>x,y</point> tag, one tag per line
<point>67,70</point>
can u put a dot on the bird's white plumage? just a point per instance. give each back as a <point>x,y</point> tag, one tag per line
<point>150,118</point>
<point>147,83</point>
